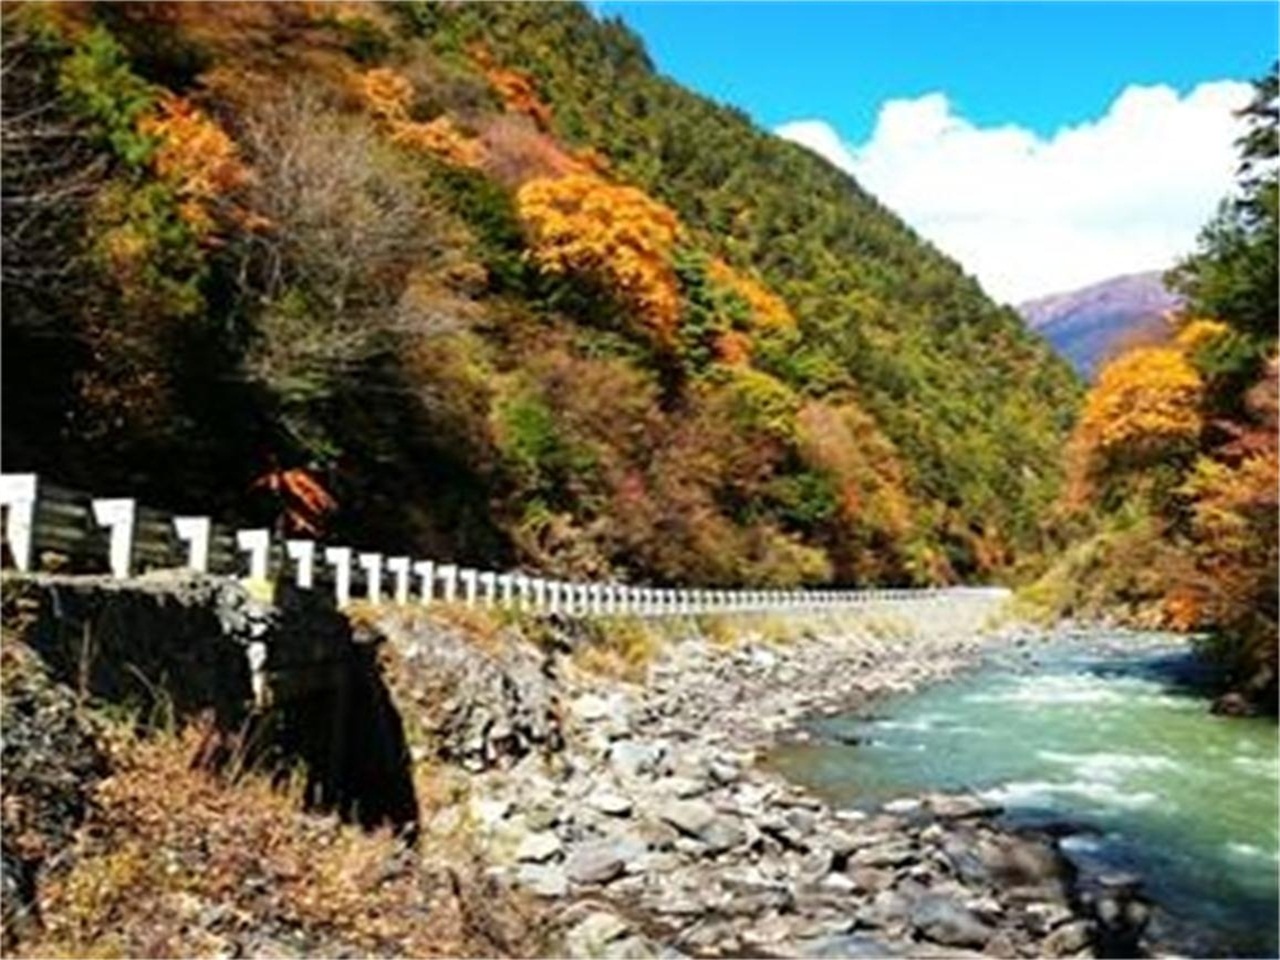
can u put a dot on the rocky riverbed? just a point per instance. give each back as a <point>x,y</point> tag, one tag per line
<point>641,810</point>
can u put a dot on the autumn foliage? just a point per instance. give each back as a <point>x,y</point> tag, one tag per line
<point>768,310</point>
<point>387,96</point>
<point>1209,496</point>
<point>516,89</point>
<point>196,157</point>
<point>616,234</point>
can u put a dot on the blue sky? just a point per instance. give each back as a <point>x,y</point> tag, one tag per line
<point>967,118</point>
<point>1040,65</point>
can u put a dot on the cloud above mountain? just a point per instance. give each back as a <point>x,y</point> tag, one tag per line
<point>1030,215</point>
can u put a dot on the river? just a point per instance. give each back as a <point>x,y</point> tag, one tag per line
<point>1106,731</point>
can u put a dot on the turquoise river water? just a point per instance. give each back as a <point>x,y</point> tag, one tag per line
<point>1109,733</point>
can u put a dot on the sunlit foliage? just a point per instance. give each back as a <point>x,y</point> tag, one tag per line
<point>1146,404</point>
<point>616,234</point>
<point>195,157</point>
<point>388,94</point>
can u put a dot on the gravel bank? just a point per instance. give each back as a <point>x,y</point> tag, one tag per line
<point>652,823</point>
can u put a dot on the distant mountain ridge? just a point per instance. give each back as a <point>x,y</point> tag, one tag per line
<point>1089,325</point>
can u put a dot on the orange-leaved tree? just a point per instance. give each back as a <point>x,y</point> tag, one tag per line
<point>516,89</point>
<point>617,235</point>
<point>768,310</point>
<point>1144,409</point>
<point>197,159</point>
<point>388,95</point>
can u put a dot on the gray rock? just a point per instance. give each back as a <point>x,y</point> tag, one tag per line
<point>960,806</point>
<point>888,909</point>
<point>871,879</point>
<point>721,834</point>
<point>904,805</point>
<point>635,758</point>
<point>1040,918</point>
<point>893,854</point>
<point>538,847</point>
<point>685,787</point>
<point>595,862</point>
<point>839,883</point>
<point>945,921</point>
<point>592,936</point>
<point>611,803</point>
<point>690,817</point>
<point>590,707</point>
<point>489,813</point>
<point>855,945</point>
<point>724,773</point>
<point>1067,939</point>
<point>543,880</point>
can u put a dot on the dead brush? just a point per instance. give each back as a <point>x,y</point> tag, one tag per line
<point>177,860</point>
<point>618,647</point>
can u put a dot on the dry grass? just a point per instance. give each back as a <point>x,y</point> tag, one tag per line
<point>177,861</point>
<point>618,647</point>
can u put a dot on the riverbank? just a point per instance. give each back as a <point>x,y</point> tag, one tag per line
<point>652,827</point>
<point>1103,732</point>
<point>554,787</point>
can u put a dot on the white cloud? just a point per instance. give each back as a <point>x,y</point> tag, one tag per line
<point>1030,215</point>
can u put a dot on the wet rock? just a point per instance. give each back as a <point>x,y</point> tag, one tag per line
<point>1122,914</point>
<point>1069,939</point>
<point>1233,704</point>
<point>1028,867</point>
<point>960,806</point>
<point>945,921</point>
<point>903,805</point>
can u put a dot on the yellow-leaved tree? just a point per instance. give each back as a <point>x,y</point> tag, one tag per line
<point>1144,408</point>
<point>617,235</point>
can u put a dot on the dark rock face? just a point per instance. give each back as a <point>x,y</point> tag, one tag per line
<point>50,761</point>
<point>479,708</point>
<point>281,682</point>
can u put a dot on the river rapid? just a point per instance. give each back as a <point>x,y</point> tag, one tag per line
<point>1108,735</point>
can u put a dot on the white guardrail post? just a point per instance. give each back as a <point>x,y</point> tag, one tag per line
<point>18,497</point>
<point>302,553</point>
<point>118,514</point>
<point>195,533</point>
<point>516,589</point>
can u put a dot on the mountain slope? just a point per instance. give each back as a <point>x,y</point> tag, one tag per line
<point>510,295</point>
<point>1089,325</point>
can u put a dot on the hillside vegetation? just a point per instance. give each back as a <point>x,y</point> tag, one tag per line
<point>504,292</point>
<point>1173,468</point>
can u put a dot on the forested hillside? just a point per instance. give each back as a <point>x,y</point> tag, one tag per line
<point>503,293</point>
<point>1173,468</point>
